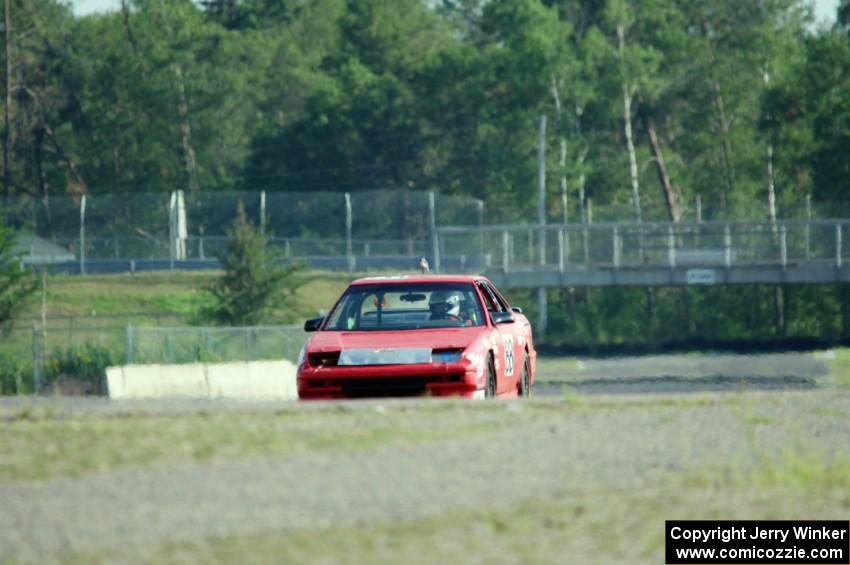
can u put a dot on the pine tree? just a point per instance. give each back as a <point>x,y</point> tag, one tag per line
<point>252,284</point>
<point>15,282</point>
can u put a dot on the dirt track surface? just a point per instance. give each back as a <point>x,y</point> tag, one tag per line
<point>609,443</point>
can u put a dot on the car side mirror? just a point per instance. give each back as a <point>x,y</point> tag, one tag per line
<point>313,324</point>
<point>502,318</point>
<point>516,309</point>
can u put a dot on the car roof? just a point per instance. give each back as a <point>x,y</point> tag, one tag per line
<point>393,279</point>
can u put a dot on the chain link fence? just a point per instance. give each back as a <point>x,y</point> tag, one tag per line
<point>71,357</point>
<point>370,229</point>
<point>647,245</point>
<point>692,210</point>
<point>185,227</point>
<point>211,344</point>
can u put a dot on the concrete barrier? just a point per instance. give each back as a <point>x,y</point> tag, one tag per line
<point>256,380</point>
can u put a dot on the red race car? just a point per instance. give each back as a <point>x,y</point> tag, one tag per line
<point>438,335</point>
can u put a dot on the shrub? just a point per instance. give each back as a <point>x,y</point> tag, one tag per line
<point>77,369</point>
<point>15,378</point>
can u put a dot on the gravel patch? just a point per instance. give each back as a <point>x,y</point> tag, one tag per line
<point>614,443</point>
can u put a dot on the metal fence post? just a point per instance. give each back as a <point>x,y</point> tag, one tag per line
<point>128,344</point>
<point>541,193</point>
<point>349,246</point>
<point>169,350</point>
<point>671,247</point>
<point>727,246</point>
<point>616,247</point>
<point>561,250</point>
<point>37,359</point>
<point>808,234</point>
<point>541,244</point>
<point>506,244</point>
<point>432,224</point>
<point>249,349</point>
<point>838,253</point>
<point>207,346</point>
<point>441,248</point>
<point>783,246</point>
<point>172,229</point>
<point>83,235</point>
<point>481,225</point>
<point>263,211</point>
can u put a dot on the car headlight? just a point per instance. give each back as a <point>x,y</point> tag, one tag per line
<point>446,355</point>
<point>302,354</point>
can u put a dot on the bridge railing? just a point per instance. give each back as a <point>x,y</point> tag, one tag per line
<point>512,247</point>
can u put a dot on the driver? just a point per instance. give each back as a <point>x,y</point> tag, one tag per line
<point>445,304</point>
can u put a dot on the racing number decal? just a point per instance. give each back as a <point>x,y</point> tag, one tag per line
<point>509,355</point>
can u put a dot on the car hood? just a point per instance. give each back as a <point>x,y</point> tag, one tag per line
<point>438,338</point>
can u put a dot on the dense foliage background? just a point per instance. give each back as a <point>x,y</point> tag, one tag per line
<point>651,103</point>
<point>441,94</point>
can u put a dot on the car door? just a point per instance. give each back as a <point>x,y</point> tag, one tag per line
<point>508,369</point>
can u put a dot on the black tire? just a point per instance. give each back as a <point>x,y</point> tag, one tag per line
<point>524,387</point>
<point>490,391</point>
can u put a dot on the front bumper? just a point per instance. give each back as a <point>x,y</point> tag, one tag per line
<point>368,381</point>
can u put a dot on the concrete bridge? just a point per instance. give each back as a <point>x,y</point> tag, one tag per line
<point>653,254</point>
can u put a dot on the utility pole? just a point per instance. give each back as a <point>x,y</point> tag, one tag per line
<point>541,220</point>
<point>541,190</point>
<point>7,33</point>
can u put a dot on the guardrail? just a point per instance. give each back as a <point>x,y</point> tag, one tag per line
<point>560,247</point>
<point>131,254</point>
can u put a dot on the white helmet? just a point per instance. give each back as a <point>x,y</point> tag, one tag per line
<point>444,303</point>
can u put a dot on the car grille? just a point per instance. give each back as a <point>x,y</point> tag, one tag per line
<point>384,386</point>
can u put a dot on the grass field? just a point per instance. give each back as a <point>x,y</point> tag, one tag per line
<point>96,308</point>
<point>577,479</point>
<point>180,293</point>
<point>840,367</point>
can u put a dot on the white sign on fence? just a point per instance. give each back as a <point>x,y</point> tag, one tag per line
<point>701,276</point>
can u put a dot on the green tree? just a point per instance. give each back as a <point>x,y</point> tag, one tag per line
<point>808,113</point>
<point>15,282</point>
<point>252,284</point>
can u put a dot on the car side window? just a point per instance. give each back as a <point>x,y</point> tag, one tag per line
<point>501,299</point>
<point>489,298</point>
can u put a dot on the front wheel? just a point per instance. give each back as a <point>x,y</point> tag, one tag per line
<point>490,391</point>
<point>524,385</point>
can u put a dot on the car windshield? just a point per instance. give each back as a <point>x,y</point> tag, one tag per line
<point>406,307</point>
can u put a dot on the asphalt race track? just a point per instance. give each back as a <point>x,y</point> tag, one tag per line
<point>689,373</point>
